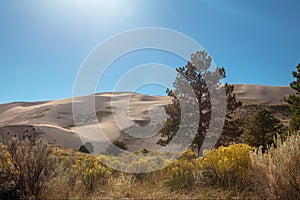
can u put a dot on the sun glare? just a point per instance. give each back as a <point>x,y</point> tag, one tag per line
<point>107,8</point>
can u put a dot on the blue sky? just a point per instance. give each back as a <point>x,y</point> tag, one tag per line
<point>43,43</point>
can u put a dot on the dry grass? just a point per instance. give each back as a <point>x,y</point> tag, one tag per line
<point>277,175</point>
<point>279,170</point>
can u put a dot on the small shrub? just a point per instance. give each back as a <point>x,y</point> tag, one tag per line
<point>29,165</point>
<point>143,166</point>
<point>91,173</point>
<point>120,144</point>
<point>116,148</point>
<point>83,149</point>
<point>185,172</point>
<point>145,151</point>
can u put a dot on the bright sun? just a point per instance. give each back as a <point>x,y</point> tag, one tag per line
<point>104,13</point>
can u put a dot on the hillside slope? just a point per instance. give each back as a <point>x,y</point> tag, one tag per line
<point>53,120</point>
<point>261,94</point>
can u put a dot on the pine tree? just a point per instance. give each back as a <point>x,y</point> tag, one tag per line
<point>262,129</point>
<point>233,128</point>
<point>294,101</point>
<point>195,74</point>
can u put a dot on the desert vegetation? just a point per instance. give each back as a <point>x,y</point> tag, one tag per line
<point>236,171</point>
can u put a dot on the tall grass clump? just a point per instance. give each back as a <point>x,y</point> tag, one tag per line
<point>278,171</point>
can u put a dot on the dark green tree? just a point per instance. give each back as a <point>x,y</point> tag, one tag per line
<point>294,101</point>
<point>232,131</point>
<point>195,74</point>
<point>262,129</point>
<point>120,144</point>
<point>83,149</point>
<point>233,127</point>
<point>86,148</point>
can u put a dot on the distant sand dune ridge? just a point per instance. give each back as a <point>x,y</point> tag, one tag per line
<point>53,120</point>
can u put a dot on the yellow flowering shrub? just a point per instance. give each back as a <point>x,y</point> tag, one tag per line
<point>7,169</point>
<point>137,162</point>
<point>144,166</point>
<point>227,166</point>
<point>6,164</point>
<point>91,172</point>
<point>184,173</point>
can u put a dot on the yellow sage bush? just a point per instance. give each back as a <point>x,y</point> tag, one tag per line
<point>91,172</point>
<point>184,173</point>
<point>228,166</point>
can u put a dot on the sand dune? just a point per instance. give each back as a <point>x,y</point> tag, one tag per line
<point>261,94</point>
<point>122,116</point>
<point>54,119</point>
